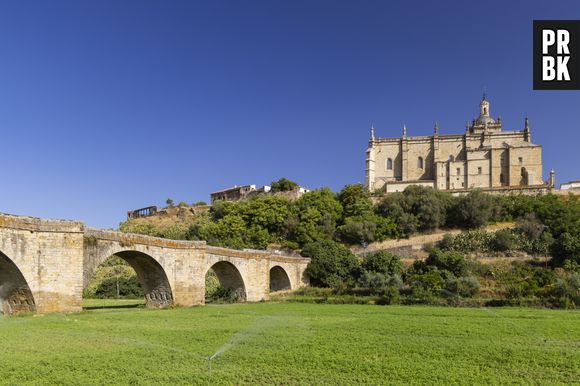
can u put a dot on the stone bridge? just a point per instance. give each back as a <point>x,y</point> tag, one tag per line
<point>46,264</point>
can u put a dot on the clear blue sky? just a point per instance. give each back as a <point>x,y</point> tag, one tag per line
<point>107,106</point>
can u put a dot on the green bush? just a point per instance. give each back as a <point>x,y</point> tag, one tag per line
<point>120,287</point>
<point>416,208</point>
<point>567,291</point>
<point>331,263</point>
<point>469,241</point>
<point>464,286</point>
<point>566,247</point>
<point>283,185</point>
<point>367,228</point>
<point>376,282</point>
<point>472,210</point>
<point>430,280</point>
<point>355,201</point>
<point>503,241</point>
<point>383,262</point>
<point>225,295</point>
<point>525,280</point>
<point>451,261</point>
<point>391,295</point>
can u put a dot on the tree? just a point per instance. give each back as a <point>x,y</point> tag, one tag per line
<point>230,231</point>
<point>503,240</point>
<point>331,263</point>
<point>283,185</point>
<point>169,203</point>
<point>355,201</point>
<point>395,207</point>
<point>367,228</point>
<point>427,205</point>
<point>566,247</point>
<point>473,210</point>
<point>383,262</point>
<point>317,212</point>
<point>450,261</point>
<point>268,212</point>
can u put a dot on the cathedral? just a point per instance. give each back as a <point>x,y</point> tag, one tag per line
<point>484,157</point>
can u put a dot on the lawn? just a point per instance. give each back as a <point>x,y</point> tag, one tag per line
<point>291,343</point>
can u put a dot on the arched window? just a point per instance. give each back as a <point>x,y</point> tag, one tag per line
<point>420,163</point>
<point>389,164</point>
<point>501,178</point>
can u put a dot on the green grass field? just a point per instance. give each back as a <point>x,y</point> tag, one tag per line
<point>291,343</point>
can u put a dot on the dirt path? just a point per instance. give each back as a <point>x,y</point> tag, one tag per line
<point>417,242</point>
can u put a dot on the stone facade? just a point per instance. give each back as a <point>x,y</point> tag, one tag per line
<point>484,157</point>
<point>46,264</point>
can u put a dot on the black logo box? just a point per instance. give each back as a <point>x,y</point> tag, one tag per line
<point>573,27</point>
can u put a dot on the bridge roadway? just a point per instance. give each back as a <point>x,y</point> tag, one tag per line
<point>46,264</point>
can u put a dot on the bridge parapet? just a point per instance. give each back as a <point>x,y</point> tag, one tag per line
<point>36,224</point>
<point>135,238</point>
<point>254,254</point>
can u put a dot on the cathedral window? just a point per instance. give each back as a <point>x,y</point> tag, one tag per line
<point>520,160</point>
<point>389,164</point>
<point>458,171</point>
<point>420,163</point>
<point>479,170</point>
<point>501,178</point>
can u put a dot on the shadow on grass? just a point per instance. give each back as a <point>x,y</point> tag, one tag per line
<point>111,306</point>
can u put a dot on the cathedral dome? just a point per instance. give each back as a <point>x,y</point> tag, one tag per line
<point>483,119</point>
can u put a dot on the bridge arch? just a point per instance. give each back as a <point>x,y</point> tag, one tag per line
<point>151,275</point>
<point>230,277</point>
<point>279,279</point>
<point>15,294</point>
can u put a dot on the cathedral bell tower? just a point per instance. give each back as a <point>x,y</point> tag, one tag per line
<point>484,123</point>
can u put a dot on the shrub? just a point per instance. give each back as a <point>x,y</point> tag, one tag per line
<point>374,281</point>
<point>331,263</point>
<point>566,292</point>
<point>120,287</point>
<point>283,185</point>
<point>524,280</point>
<point>469,241</point>
<point>472,210</point>
<point>383,262</point>
<point>367,228</point>
<point>463,286</point>
<point>566,247</point>
<point>225,295</point>
<point>451,261</point>
<point>390,296</point>
<point>431,280</point>
<point>357,230</point>
<point>503,241</point>
<point>416,208</point>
